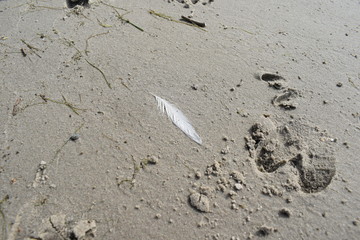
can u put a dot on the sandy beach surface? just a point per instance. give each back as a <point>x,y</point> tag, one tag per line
<point>271,88</point>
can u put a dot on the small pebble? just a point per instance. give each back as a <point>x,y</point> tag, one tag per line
<point>194,87</point>
<point>339,84</point>
<point>200,202</point>
<point>74,137</point>
<point>158,216</point>
<point>238,186</point>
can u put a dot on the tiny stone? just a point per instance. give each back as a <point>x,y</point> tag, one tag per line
<point>339,84</point>
<point>171,220</point>
<point>232,89</point>
<point>158,216</point>
<point>137,206</point>
<point>238,186</point>
<point>194,87</point>
<point>52,186</point>
<point>74,137</point>
<point>355,223</point>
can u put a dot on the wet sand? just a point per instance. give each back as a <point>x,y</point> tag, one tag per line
<point>271,88</point>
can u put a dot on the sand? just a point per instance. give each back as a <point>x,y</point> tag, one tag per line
<point>271,87</point>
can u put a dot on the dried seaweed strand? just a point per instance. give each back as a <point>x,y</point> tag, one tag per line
<point>64,102</point>
<point>107,82</point>
<point>135,172</point>
<point>63,145</point>
<point>92,36</point>
<point>103,24</point>
<point>109,5</point>
<point>352,83</point>
<point>3,216</point>
<point>127,21</point>
<point>46,7</point>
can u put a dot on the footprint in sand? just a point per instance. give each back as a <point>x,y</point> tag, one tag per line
<point>304,147</point>
<point>285,100</point>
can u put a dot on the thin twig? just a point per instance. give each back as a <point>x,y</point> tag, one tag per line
<point>173,20</point>
<point>29,46</point>
<point>107,82</point>
<point>200,24</point>
<point>32,48</point>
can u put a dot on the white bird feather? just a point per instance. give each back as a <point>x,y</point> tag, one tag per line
<point>178,118</point>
